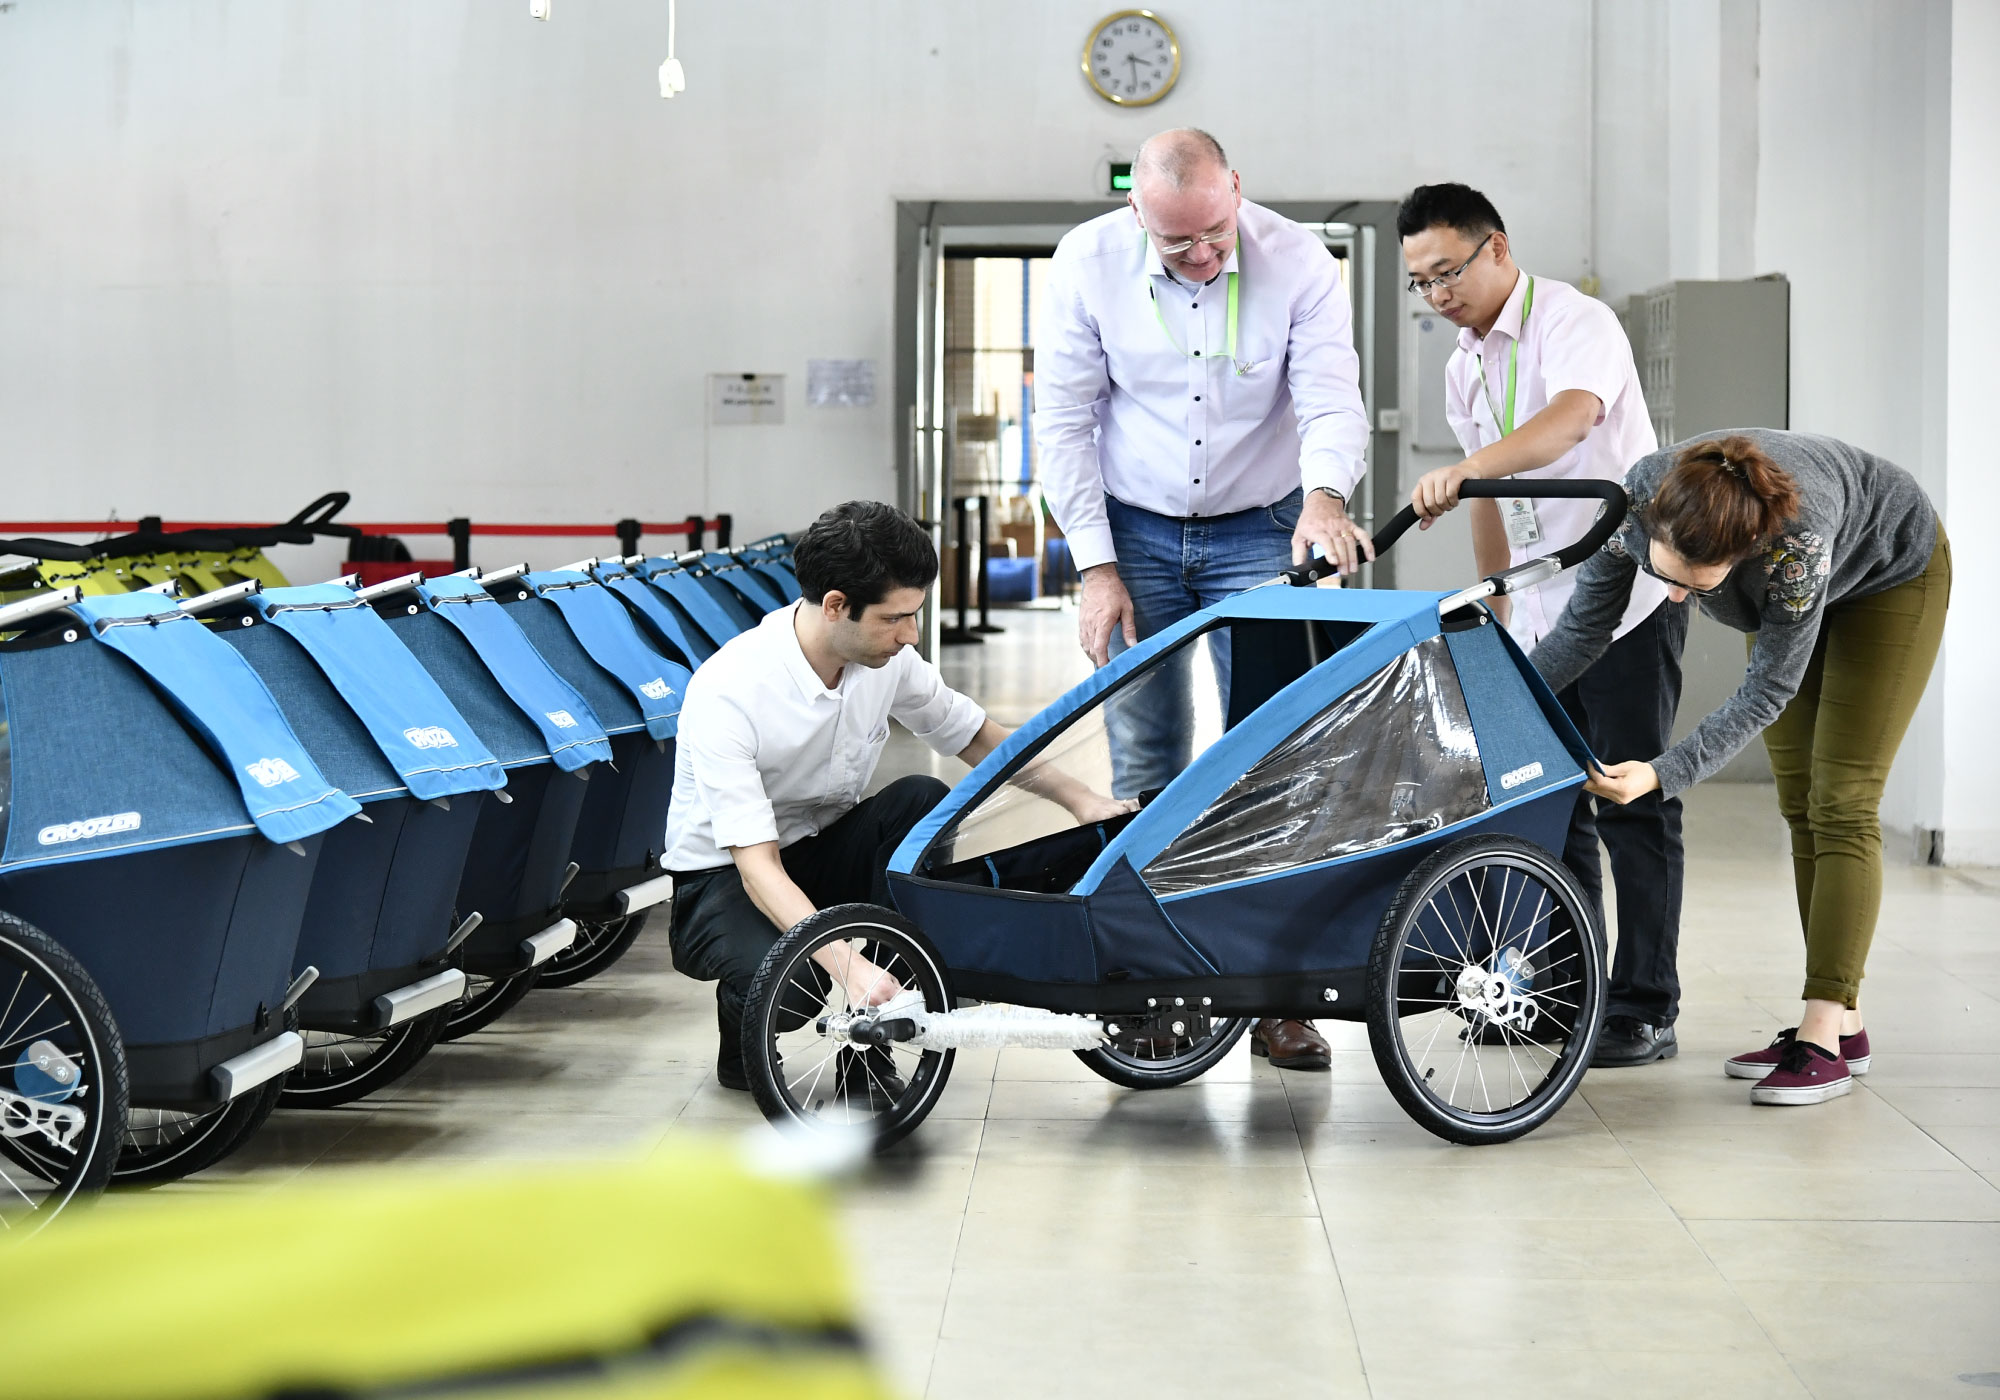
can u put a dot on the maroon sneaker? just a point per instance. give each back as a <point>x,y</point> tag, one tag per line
<point>1755,1064</point>
<point>1805,1074</point>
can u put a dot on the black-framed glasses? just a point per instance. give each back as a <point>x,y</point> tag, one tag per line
<point>1646,563</point>
<point>1449,279</point>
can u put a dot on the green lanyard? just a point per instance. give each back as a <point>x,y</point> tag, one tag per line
<point>1506,425</point>
<point>1231,334</point>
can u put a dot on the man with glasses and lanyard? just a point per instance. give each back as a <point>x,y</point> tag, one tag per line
<point>1199,423</point>
<point>1543,384</point>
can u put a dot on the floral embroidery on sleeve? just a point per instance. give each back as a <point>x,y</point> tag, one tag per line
<point>1795,568</point>
<point>1628,539</point>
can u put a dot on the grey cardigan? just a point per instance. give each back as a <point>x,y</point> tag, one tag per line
<point>1864,526</point>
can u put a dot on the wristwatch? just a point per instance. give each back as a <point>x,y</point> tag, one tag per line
<point>1333,493</point>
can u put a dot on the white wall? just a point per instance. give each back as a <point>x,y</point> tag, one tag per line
<point>1971,681</point>
<point>1855,126</point>
<point>460,262</point>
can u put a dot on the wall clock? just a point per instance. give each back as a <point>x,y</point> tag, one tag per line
<point>1132,58</point>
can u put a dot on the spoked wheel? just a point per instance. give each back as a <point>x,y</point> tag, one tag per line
<point>340,1067</point>
<point>801,1068</point>
<point>598,945</point>
<point>1485,985</point>
<point>62,1080</point>
<point>164,1144</point>
<point>1148,1053</point>
<point>486,1000</point>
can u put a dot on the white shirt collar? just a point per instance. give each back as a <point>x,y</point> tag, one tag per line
<point>793,656</point>
<point>1508,322</point>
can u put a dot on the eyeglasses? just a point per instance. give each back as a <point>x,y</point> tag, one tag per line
<point>1647,564</point>
<point>1444,280</point>
<point>1170,250</point>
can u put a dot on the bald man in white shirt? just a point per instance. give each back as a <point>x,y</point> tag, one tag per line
<point>1543,385</point>
<point>1199,422</point>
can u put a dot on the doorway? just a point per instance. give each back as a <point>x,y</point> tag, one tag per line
<point>933,388</point>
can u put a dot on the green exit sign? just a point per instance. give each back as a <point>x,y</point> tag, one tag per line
<point>1121,176</point>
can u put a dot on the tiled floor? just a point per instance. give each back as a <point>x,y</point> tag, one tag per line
<point>1048,1234</point>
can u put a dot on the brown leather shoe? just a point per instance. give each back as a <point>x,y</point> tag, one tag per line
<point>1290,1045</point>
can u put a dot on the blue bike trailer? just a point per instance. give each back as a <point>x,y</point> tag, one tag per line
<point>382,900</point>
<point>756,591</point>
<point>778,573</point>
<point>700,602</point>
<point>137,744</point>
<point>1360,732</point>
<point>518,863</point>
<point>742,608</point>
<point>583,631</point>
<point>666,626</point>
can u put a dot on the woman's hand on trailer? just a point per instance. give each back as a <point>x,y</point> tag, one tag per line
<point>1622,782</point>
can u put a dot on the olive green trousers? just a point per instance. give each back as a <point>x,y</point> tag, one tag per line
<point>1831,750</point>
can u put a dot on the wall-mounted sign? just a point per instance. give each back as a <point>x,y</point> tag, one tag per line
<point>746,398</point>
<point>1121,177</point>
<point>840,383</point>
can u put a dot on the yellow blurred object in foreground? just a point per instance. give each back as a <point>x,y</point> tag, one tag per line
<point>686,1277</point>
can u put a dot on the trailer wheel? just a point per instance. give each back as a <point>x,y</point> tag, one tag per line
<point>163,1144</point>
<point>63,1113</point>
<point>340,1067</point>
<point>599,943</point>
<point>1485,987</point>
<point>486,1000</point>
<point>800,1071</point>
<point>1147,1055</point>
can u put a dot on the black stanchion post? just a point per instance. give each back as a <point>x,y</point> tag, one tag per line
<point>460,530</point>
<point>962,575</point>
<point>628,537</point>
<point>724,523</point>
<point>697,532</point>
<point>985,623</point>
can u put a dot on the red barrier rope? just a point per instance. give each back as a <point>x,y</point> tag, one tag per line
<point>100,528</point>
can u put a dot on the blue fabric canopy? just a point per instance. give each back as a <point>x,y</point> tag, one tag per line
<point>605,631</point>
<point>409,717</point>
<point>653,605</point>
<point>685,589</point>
<point>95,763</point>
<point>223,698</point>
<point>551,704</point>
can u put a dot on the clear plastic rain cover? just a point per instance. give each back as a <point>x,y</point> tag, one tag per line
<point>1393,758</point>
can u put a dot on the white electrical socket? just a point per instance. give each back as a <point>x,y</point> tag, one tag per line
<point>539,9</point>
<point>672,80</point>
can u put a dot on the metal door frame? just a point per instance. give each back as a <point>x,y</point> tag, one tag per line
<point>924,229</point>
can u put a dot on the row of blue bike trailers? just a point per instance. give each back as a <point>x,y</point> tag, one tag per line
<point>273,844</point>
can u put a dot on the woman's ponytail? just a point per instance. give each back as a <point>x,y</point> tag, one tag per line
<point>1720,500</point>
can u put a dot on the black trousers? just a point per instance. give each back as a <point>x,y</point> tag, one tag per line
<point>718,935</point>
<point>1624,707</point>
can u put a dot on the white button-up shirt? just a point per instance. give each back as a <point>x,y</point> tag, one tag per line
<point>1125,405</point>
<point>1572,342</point>
<point>768,753</point>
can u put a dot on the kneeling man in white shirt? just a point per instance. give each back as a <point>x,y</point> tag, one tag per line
<point>780,733</point>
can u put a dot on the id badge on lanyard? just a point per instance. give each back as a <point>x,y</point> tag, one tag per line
<point>1517,513</point>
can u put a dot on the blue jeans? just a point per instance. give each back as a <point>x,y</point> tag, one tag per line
<point>1174,567</point>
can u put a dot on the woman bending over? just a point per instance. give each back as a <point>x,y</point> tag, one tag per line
<point>1837,565</point>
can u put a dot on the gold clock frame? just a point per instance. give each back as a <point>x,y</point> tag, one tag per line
<point>1173,47</point>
